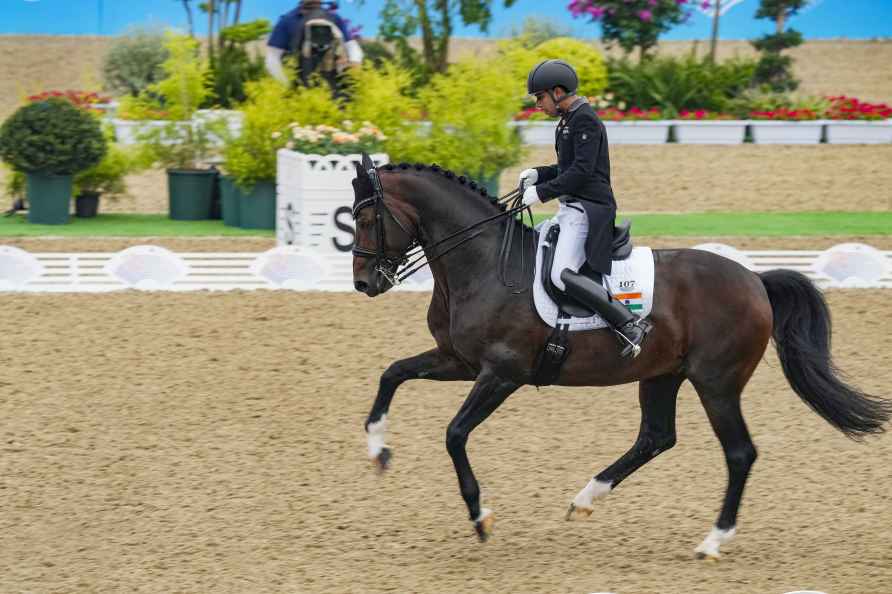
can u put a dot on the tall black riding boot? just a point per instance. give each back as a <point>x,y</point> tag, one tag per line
<point>630,328</point>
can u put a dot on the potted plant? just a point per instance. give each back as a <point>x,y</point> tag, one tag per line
<point>708,127</point>
<point>779,118</point>
<point>184,152</point>
<point>850,121</point>
<point>635,125</point>
<point>50,141</point>
<point>106,178</point>
<point>786,126</point>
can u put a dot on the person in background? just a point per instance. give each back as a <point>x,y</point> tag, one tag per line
<point>320,41</point>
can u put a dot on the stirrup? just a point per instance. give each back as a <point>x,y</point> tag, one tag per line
<point>630,347</point>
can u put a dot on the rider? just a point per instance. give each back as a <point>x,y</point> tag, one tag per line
<point>581,182</point>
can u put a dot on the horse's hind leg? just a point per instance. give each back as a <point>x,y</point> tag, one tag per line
<point>433,365</point>
<point>722,406</point>
<point>657,397</point>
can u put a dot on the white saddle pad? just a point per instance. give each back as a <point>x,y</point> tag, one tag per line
<point>631,281</point>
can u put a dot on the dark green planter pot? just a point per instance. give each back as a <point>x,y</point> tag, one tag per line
<point>49,198</point>
<point>190,192</point>
<point>258,207</point>
<point>230,198</point>
<point>86,205</point>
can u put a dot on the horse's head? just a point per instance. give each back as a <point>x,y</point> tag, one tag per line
<point>382,239</point>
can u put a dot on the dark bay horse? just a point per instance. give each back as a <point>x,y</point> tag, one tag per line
<point>488,333</point>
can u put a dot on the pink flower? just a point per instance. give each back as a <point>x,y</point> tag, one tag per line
<point>645,15</point>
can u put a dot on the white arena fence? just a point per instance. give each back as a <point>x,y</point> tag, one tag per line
<point>297,269</point>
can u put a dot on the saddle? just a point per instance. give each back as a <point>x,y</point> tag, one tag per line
<point>621,248</point>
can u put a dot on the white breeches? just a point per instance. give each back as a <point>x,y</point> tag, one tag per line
<point>570,249</point>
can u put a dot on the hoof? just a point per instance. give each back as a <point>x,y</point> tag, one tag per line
<point>578,513</point>
<point>709,557</point>
<point>483,526</point>
<point>382,460</point>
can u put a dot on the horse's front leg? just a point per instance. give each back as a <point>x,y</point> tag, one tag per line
<point>486,396</point>
<point>432,365</point>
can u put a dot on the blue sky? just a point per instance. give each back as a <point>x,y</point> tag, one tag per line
<point>856,19</point>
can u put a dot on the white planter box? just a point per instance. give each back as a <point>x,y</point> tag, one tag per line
<point>537,132</point>
<point>646,132</point>
<point>778,132</point>
<point>859,132</point>
<point>128,131</point>
<point>314,200</point>
<point>709,131</point>
<point>234,120</point>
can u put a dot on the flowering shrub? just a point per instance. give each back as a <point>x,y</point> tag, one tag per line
<point>82,99</point>
<point>328,140</point>
<point>633,23</point>
<point>784,114</point>
<point>531,114</point>
<point>849,108</point>
<point>613,114</point>
<point>702,114</point>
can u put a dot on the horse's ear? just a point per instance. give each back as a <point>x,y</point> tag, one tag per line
<point>360,171</point>
<point>367,162</point>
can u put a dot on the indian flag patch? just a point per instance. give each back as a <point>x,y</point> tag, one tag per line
<point>633,301</point>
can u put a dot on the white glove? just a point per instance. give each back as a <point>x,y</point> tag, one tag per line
<point>528,177</point>
<point>531,196</point>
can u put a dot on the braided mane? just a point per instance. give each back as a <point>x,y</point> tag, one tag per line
<point>460,179</point>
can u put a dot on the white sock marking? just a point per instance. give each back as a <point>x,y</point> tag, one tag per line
<point>376,432</point>
<point>592,491</point>
<point>716,538</point>
<point>484,513</point>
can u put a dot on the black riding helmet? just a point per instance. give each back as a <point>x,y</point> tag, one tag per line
<point>547,75</point>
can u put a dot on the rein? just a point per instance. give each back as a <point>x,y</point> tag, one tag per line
<point>402,265</point>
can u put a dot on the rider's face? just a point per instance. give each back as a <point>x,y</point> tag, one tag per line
<point>546,104</point>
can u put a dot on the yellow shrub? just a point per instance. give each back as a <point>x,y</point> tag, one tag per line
<point>584,57</point>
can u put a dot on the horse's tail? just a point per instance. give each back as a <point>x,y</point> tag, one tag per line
<point>802,338</point>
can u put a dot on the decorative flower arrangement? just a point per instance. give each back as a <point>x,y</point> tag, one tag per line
<point>702,114</point>
<point>849,108</point>
<point>784,114</point>
<point>614,114</point>
<point>326,140</point>
<point>532,114</point>
<point>83,99</point>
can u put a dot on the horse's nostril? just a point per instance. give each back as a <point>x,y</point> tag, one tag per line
<point>361,286</point>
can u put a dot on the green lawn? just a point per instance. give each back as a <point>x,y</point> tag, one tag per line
<point>699,224</point>
<point>761,223</point>
<point>125,225</point>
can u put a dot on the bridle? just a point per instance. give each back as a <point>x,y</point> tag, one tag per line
<point>387,266</point>
<point>397,268</point>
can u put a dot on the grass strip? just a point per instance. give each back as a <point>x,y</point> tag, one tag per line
<point>726,224</point>
<point>750,224</point>
<point>125,225</point>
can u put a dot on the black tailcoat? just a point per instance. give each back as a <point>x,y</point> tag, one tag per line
<point>583,174</point>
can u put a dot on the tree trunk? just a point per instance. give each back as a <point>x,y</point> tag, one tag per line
<point>238,12</point>
<point>427,33</point>
<point>222,17</point>
<point>715,31</point>
<point>211,30</point>
<point>781,17</point>
<point>188,10</point>
<point>443,42</point>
